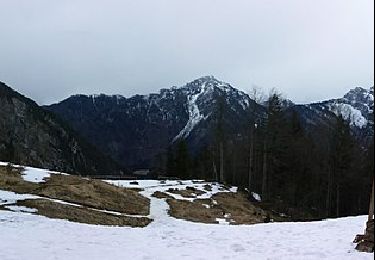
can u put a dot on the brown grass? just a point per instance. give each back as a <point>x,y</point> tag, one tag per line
<point>82,215</point>
<point>234,207</point>
<point>160,195</point>
<point>94,193</point>
<point>242,211</point>
<point>191,193</point>
<point>90,193</point>
<point>11,180</point>
<point>193,211</point>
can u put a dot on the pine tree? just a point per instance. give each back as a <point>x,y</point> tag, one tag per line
<point>341,159</point>
<point>171,164</point>
<point>182,161</point>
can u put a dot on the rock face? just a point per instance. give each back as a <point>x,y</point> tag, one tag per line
<point>30,135</point>
<point>357,106</point>
<point>136,131</point>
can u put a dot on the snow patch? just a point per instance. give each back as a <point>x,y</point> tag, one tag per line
<point>194,114</point>
<point>348,112</point>
<point>35,175</point>
<point>21,209</point>
<point>256,196</point>
<point>9,197</point>
<point>222,221</point>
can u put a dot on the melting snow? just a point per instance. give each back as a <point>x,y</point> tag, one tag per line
<point>27,236</point>
<point>35,175</point>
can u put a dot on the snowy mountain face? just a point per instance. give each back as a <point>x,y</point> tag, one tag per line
<point>357,106</point>
<point>137,130</point>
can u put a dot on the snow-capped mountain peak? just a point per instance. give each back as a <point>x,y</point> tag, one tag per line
<point>356,106</point>
<point>201,97</point>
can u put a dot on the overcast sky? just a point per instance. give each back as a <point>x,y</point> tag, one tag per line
<point>309,49</point>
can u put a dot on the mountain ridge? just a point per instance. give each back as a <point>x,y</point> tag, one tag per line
<point>144,126</point>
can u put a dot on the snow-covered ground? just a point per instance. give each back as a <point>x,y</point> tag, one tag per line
<point>27,236</point>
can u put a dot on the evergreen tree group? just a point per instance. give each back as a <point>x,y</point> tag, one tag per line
<point>304,174</point>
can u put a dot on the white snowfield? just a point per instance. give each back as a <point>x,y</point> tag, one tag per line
<point>27,236</point>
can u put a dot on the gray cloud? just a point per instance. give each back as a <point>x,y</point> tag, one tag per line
<point>308,49</point>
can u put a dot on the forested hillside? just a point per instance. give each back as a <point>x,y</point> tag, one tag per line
<point>301,168</point>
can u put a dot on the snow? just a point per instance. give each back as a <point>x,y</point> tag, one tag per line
<point>24,235</point>
<point>151,186</point>
<point>222,221</point>
<point>32,174</point>
<point>244,103</point>
<point>348,112</point>
<point>35,175</point>
<point>194,114</point>
<point>256,196</point>
<point>20,209</point>
<point>9,197</point>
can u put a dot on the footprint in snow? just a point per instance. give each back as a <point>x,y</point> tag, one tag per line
<point>237,248</point>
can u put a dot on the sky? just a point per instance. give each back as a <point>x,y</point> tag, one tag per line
<point>309,50</point>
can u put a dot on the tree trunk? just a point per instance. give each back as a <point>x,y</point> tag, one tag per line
<point>371,208</point>
<point>234,166</point>
<point>215,171</point>
<point>328,198</point>
<point>338,200</point>
<point>265,177</point>
<point>222,162</point>
<point>251,159</point>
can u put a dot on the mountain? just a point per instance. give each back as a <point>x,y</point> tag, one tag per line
<point>136,131</point>
<point>33,136</point>
<point>357,107</point>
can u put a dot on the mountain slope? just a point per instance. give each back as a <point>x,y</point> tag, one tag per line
<point>31,135</point>
<point>136,131</point>
<point>357,107</point>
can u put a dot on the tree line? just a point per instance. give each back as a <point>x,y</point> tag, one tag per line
<point>322,173</point>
